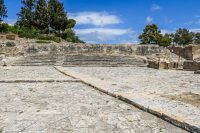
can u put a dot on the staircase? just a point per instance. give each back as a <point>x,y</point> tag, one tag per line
<point>102,60</point>
<point>36,60</point>
<point>80,60</point>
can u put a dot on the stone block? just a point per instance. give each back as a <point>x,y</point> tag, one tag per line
<point>10,37</point>
<point>191,65</point>
<point>153,64</point>
<point>197,72</point>
<point>162,65</point>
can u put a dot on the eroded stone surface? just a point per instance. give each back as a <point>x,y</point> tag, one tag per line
<point>31,73</point>
<point>69,107</point>
<point>72,107</point>
<point>161,92</point>
<point>136,79</point>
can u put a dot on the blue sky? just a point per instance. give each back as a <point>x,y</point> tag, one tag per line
<point>121,21</point>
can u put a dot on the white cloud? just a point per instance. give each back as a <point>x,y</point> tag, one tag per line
<point>99,35</point>
<point>130,42</point>
<point>10,21</point>
<point>165,31</point>
<point>149,19</point>
<point>195,30</point>
<point>95,18</point>
<point>155,7</point>
<point>104,31</point>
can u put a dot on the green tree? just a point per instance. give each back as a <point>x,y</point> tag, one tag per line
<point>41,15</point>
<point>165,40</point>
<point>197,38</point>
<point>151,35</point>
<point>183,37</point>
<point>3,10</point>
<point>71,23</point>
<point>58,16</point>
<point>25,16</point>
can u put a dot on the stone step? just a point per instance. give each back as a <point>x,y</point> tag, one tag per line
<point>79,60</point>
<point>34,64</point>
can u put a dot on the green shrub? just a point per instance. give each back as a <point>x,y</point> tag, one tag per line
<point>10,44</point>
<point>34,33</point>
<point>4,27</point>
<point>49,38</point>
<point>43,41</point>
<point>27,35</point>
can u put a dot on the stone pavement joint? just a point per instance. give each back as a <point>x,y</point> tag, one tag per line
<point>38,81</point>
<point>155,105</point>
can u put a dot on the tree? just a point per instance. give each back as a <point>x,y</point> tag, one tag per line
<point>3,10</point>
<point>25,15</point>
<point>165,40</point>
<point>150,35</point>
<point>182,37</point>
<point>58,16</point>
<point>197,38</point>
<point>41,15</point>
<point>71,23</point>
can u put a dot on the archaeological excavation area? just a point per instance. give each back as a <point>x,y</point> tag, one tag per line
<point>83,88</point>
<point>60,99</point>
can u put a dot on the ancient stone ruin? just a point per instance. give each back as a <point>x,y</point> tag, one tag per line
<point>29,53</point>
<point>69,87</point>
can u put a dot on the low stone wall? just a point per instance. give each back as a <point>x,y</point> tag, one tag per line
<point>191,65</point>
<point>163,65</point>
<point>96,49</point>
<point>191,52</point>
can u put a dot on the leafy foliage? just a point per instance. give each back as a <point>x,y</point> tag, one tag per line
<point>26,14</point>
<point>150,35</point>
<point>37,17</point>
<point>183,37</point>
<point>49,38</point>
<point>3,10</point>
<point>165,40</point>
<point>43,41</point>
<point>4,27</point>
<point>196,38</point>
<point>58,17</point>
<point>41,15</point>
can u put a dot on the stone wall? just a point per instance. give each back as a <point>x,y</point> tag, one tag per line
<point>95,49</point>
<point>191,65</point>
<point>191,52</point>
<point>163,65</point>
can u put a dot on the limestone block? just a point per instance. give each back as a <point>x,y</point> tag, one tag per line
<point>191,65</point>
<point>153,64</point>
<point>10,37</point>
<point>197,72</point>
<point>163,65</point>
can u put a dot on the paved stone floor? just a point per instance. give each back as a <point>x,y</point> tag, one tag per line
<point>168,82</point>
<point>171,94</point>
<point>31,73</point>
<point>67,107</point>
